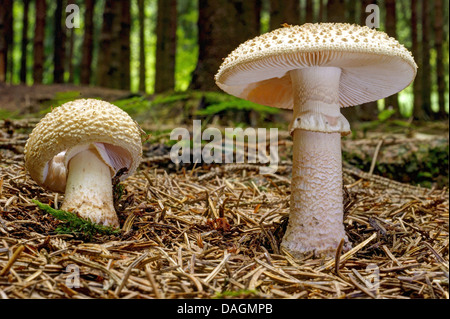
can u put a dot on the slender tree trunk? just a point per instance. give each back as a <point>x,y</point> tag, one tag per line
<point>125,26</point>
<point>142,68</point>
<point>440,68</point>
<point>417,53</point>
<point>165,45</point>
<point>351,6</point>
<point>3,45</point>
<point>59,41</point>
<point>6,40</point>
<point>71,41</point>
<point>9,38</point>
<point>109,53</point>
<point>39,34</point>
<point>287,11</point>
<point>366,111</point>
<point>336,11</point>
<point>234,16</point>
<point>88,46</point>
<point>426,66</point>
<point>309,17</point>
<point>321,17</point>
<point>24,43</point>
<point>391,30</point>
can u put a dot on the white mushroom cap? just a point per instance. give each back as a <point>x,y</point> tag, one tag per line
<point>69,129</point>
<point>373,64</point>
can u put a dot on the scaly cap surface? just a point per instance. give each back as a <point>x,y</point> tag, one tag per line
<point>82,122</point>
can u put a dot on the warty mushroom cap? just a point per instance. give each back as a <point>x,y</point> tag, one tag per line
<point>69,129</point>
<point>373,64</point>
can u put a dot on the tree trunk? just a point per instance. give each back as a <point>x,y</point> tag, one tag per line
<point>415,45</point>
<point>351,6</point>
<point>166,27</point>
<point>24,43</point>
<point>336,11</point>
<point>109,53</point>
<point>366,111</point>
<point>3,45</point>
<point>70,50</point>
<point>142,68</point>
<point>309,17</point>
<point>87,47</point>
<point>59,41</point>
<point>9,24</point>
<point>440,68</point>
<point>125,26</point>
<point>6,40</point>
<point>39,34</point>
<point>321,14</point>
<point>287,11</point>
<point>390,26</point>
<point>426,66</point>
<point>222,26</point>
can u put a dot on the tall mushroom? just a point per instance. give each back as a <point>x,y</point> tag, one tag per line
<point>77,149</point>
<point>315,69</point>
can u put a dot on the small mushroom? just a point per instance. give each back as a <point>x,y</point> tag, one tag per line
<point>315,69</point>
<point>77,149</point>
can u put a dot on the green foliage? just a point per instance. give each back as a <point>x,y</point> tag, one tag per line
<point>386,121</point>
<point>133,105</point>
<point>219,102</point>
<point>72,224</point>
<point>384,115</point>
<point>59,99</point>
<point>6,114</point>
<point>423,165</point>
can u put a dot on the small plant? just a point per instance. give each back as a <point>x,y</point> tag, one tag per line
<point>59,99</point>
<point>73,224</point>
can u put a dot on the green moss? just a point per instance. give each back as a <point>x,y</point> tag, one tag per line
<point>72,224</point>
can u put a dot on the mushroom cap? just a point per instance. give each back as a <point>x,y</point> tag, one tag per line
<point>70,128</point>
<point>373,64</point>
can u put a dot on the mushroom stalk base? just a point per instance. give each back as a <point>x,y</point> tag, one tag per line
<point>316,217</point>
<point>316,208</point>
<point>89,189</point>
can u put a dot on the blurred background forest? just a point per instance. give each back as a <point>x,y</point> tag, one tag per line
<point>157,46</point>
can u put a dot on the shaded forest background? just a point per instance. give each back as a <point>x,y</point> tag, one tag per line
<point>155,46</point>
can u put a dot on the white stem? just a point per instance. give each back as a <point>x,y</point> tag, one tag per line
<point>316,216</point>
<point>89,189</point>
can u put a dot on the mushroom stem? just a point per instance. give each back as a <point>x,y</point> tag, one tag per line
<point>316,216</point>
<point>89,189</point>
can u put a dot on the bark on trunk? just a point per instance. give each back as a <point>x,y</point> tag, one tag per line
<point>440,68</point>
<point>87,47</point>
<point>24,43</point>
<point>59,40</point>
<point>39,34</point>
<point>281,12</point>
<point>142,68</point>
<point>166,27</point>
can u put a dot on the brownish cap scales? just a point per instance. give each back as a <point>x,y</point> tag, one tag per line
<point>81,122</point>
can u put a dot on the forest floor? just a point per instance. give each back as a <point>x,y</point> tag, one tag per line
<point>214,231</point>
